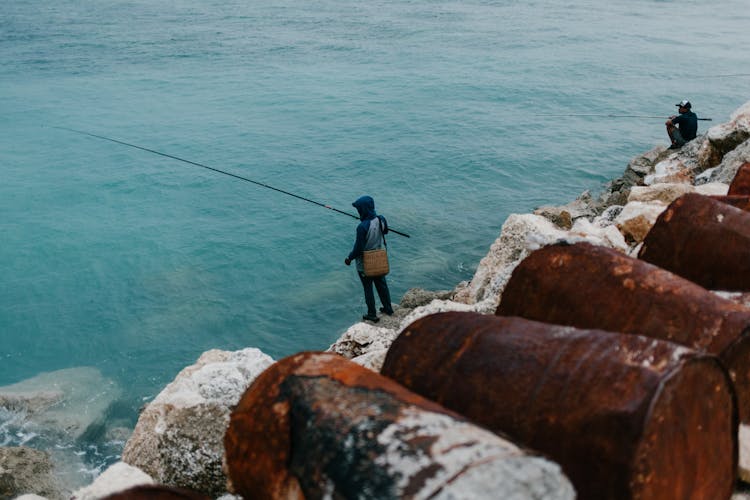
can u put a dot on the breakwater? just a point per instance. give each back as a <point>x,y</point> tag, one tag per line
<point>179,437</point>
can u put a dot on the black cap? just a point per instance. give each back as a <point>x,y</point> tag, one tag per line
<point>684,104</point>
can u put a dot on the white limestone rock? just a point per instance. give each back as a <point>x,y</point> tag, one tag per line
<point>178,439</point>
<point>664,193</point>
<point>509,248</point>
<point>608,216</point>
<point>649,211</point>
<point>712,189</point>
<point>362,338</point>
<point>118,477</point>
<point>608,236</point>
<point>672,170</point>
<point>743,470</point>
<point>521,235</point>
<point>365,344</point>
<point>729,135</point>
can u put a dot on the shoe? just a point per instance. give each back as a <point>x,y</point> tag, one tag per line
<point>373,318</point>
<point>674,146</point>
<point>384,311</point>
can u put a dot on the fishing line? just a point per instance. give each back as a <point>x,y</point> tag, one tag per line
<point>257,183</point>
<point>719,76</point>
<point>622,116</point>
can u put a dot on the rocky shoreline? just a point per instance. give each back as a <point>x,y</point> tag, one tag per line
<point>178,440</point>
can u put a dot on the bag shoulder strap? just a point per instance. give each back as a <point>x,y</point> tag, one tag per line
<point>380,225</point>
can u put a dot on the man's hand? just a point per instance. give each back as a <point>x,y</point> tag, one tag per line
<point>347,261</point>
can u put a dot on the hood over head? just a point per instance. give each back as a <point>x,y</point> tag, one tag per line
<point>365,205</point>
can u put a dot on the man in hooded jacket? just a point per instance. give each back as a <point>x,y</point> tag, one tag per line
<point>370,233</point>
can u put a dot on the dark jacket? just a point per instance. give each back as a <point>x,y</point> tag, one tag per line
<point>688,123</point>
<point>367,239</point>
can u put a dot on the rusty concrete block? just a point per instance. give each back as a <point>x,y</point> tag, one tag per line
<point>590,286</point>
<point>626,416</point>
<point>156,492</point>
<point>736,200</point>
<point>316,425</point>
<point>703,240</point>
<point>741,183</point>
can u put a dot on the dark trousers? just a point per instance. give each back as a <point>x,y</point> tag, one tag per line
<point>382,287</point>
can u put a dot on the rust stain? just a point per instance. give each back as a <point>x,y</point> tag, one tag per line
<point>738,201</point>
<point>650,301</point>
<point>309,414</point>
<point>610,410</point>
<point>741,183</point>
<point>703,240</point>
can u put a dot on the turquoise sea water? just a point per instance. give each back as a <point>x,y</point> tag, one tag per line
<point>443,111</point>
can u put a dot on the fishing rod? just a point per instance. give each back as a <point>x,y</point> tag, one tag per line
<point>257,183</point>
<point>623,116</point>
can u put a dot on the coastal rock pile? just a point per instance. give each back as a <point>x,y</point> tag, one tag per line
<point>178,438</point>
<point>611,407</point>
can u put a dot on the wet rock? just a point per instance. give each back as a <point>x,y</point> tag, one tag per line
<point>30,403</point>
<point>416,297</point>
<point>178,439</point>
<point>64,402</point>
<point>27,471</point>
<point>316,425</point>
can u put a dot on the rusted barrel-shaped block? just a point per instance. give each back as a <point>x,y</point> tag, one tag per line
<point>590,286</point>
<point>703,240</point>
<point>625,415</point>
<point>156,492</point>
<point>741,183</point>
<point>736,200</point>
<point>317,425</point>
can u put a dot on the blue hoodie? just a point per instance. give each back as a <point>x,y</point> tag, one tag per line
<point>367,239</point>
